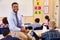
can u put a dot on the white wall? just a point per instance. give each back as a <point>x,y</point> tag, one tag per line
<point>56,12</point>
<point>25,6</point>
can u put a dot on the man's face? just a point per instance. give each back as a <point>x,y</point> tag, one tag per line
<point>15,8</point>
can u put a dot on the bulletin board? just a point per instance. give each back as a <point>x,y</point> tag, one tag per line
<point>46,7</point>
<point>37,7</point>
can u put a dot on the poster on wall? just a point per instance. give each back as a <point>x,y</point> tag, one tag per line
<point>46,2</point>
<point>46,9</point>
<point>37,7</point>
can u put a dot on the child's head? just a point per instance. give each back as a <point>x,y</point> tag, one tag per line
<point>6,32</point>
<point>47,17</point>
<point>37,20</point>
<point>4,20</point>
<point>52,24</point>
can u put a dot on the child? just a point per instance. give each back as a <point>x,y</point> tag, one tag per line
<point>4,24</point>
<point>46,21</point>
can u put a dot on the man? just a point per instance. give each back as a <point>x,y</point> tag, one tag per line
<point>14,19</point>
<point>15,22</point>
<point>52,33</point>
<point>7,36</point>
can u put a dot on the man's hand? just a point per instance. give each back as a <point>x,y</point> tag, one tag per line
<point>23,29</point>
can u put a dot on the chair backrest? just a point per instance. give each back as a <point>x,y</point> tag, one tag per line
<point>55,39</point>
<point>2,29</point>
<point>38,28</point>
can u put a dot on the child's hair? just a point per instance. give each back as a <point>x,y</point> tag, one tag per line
<point>53,24</point>
<point>6,32</point>
<point>4,20</point>
<point>37,20</point>
<point>47,17</point>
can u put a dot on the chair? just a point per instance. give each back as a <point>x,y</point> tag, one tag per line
<point>28,25</point>
<point>34,35</point>
<point>38,28</point>
<point>2,29</point>
<point>55,39</point>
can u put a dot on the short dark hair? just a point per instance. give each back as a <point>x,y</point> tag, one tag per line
<point>6,32</point>
<point>37,20</point>
<point>4,20</point>
<point>47,17</point>
<point>14,3</point>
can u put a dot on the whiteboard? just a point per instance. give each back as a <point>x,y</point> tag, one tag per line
<point>25,7</point>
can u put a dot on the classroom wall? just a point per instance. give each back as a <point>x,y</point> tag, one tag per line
<point>30,19</point>
<point>42,15</point>
<point>57,12</point>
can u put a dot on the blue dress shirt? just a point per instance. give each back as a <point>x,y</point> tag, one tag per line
<point>13,22</point>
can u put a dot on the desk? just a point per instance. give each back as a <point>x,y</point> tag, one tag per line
<point>1,36</point>
<point>38,32</point>
<point>58,30</point>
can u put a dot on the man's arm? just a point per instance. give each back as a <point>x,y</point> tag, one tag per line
<point>12,25</point>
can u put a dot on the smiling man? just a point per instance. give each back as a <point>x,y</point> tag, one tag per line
<point>15,22</point>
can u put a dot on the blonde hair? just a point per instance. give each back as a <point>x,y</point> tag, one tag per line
<point>53,24</point>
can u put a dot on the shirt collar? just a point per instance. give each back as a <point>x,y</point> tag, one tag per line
<point>14,13</point>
